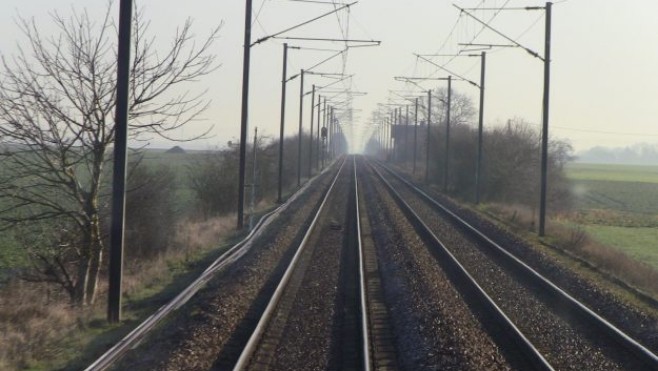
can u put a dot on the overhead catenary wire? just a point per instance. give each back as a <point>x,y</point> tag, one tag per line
<point>486,24</point>
<point>256,17</point>
<point>303,23</point>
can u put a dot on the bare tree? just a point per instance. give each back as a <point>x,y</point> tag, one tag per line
<point>57,101</point>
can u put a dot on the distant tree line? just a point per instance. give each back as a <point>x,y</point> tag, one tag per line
<point>213,179</point>
<point>510,170</point>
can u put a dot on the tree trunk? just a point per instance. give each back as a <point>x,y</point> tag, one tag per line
<point>80,291</point>
<point>96,259</point>
<point>94,270</point>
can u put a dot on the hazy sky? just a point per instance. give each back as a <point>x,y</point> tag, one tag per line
<point>604,87</point>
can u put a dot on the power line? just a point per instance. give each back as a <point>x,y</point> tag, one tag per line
<point>486,24</point>
<point>256,17</point>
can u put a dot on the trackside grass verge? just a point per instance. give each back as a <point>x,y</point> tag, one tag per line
<point>577,243</point>
<point>40,331</point>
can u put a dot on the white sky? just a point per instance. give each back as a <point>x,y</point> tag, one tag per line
<point>604,82</point>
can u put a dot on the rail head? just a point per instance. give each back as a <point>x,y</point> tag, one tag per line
<point>254,339</point>
<point>133,338</point>
<point>623,339</point>
<point>532,356</point>
<point>367,361</point>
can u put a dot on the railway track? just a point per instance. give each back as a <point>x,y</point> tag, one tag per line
<point>139,340</point>
<point>356,293</point>
<point>534,322</point>
<point>293,332</point>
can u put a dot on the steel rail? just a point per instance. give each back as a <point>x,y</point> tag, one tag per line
<point>230,256</point>
<point>254,339</point>
<point>531,356</point>
<point>367,360</point>
<point>644,354</point>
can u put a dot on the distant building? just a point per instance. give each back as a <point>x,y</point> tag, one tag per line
<point>175,149</point>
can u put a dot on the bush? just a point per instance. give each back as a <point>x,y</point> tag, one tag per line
<point>214,179</point>
<point>151,216</point>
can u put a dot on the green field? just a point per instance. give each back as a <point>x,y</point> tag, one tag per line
<point>639,243</point>
<point>618,206</point>
<point>619,173</point>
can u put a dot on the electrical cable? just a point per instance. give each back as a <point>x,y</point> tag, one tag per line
<point>256,17</point>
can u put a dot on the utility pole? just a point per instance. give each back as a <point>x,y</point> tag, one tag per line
<point>429,118</point>
<point>310,146</point>
<point>245,111</point>
<point>301,116</point>
<point>379,137</point>
<point>318,149</point>
<point>283,116</point>
<point>392,136</point>
<point>545,100</point>
<point>406,137</point>
<point>253,182</point>
<point>545,107</point>
<point>335,128</point>
<point>415,136</point>
<point>120,159</point>
<point>312,115</point>
<point>323,139</point>
<point>478,166</point>
<point>446,160</point>
<point>397,138</point>
<point>324,125</point>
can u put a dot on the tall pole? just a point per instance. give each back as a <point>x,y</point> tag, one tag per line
<point>324,139</point>
<point>406,137</point>
<point>299,140</point>
<point>120,158</point>
<point>415,135</point>
<point>379,138</point>
<point>392,134</point>
<point>398,136</point>
<point>429,118</point>
<point>324,124</point>
<point>478,166</point>
<point>245,111</point>
<point>545,108</point>
<point>310,145</point>
<point>318,149</point>
<point>336,131</point>
<point>312,119</point>
<point>320,139</point>
<point>283,116</point>
<point>446,159</point>
<point>252,207</point>
<point>335,138</point>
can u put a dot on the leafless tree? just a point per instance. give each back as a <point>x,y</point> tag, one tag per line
<point>57,103</point>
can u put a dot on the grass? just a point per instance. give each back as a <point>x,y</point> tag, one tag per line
<point>619,173</point>
<point>638,243</point>
<point>617,205</point>
<point>630,196</point>
<point>41,332</point>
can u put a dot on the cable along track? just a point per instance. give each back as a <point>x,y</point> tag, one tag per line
<point>580,339</point>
